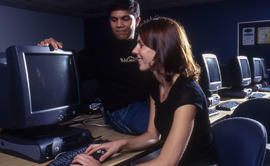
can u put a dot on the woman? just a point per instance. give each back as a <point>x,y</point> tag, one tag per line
<point>178,107</point>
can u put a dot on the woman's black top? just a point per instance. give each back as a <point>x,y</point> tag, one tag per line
<point>200,147</point>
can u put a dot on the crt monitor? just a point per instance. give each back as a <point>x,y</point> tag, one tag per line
<point>256,70</point>
<point>263,68</point>
<point>237,75</point>
<point>210,77</point>
<point>3,60</point>
<point>38,87</point>
<point>245,71</point>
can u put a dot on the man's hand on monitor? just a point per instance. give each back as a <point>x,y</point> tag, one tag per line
<point>52,43</point>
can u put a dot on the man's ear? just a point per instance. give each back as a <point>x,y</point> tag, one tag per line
<point>138,20</point>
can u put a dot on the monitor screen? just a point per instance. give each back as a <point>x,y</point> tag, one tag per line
<point>51,87</point>
<point>213,69</point>
<point>256,70</point>
<point>210,77</point>
<point>245,68</point>
<point>42,90</point>
<point>245,74</point>
<point>256,66</point>
<point>3,59</point>
<point>263,68</point>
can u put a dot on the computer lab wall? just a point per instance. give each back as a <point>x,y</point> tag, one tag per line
<point>25,27</point>
<point>211,27</point>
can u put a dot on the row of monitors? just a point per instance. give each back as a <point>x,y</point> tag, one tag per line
<point>239,73</point>
<point>40,87</point>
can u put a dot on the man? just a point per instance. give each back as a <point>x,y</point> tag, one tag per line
<point>121,86</point>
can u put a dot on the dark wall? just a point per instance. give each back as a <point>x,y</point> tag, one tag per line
<point>96,29</point>
<point>258,48</point>
<point>26,27</point>
<point>211,27</point>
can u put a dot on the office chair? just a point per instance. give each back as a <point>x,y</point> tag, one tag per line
<point>258,109</point>
<point>239,142</point>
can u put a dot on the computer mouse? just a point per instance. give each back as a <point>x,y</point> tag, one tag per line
<point>98,154</point>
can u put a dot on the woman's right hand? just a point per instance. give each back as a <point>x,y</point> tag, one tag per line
<point>109,147</point>
<point>51,42</point>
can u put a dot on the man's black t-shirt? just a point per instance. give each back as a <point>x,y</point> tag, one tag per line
<point>120,82</point>
<point>186,92</point>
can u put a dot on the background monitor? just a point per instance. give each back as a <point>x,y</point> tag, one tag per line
<point>41,87</point>
<point>256,70</point>
<point>210,77</point>
<point>3,59</point>
<point>237,74</point>
<point>263,67</point>
<point>245,70</point>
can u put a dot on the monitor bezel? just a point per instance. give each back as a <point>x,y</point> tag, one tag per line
<point>256,78</point>
<point>216,85</point>
<point>263,66</point>
<point>22,99</point>
<point>244,81</point>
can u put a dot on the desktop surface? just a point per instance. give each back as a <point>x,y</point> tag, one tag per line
<point>107,133</point>
<point>221,114</point>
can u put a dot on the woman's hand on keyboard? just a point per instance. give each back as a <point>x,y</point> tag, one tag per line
<point>85,160</point>
<point>109,147</point>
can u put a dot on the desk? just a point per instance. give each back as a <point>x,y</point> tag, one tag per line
<point>110,134</point>
<point>226,114</point>
<point>101,132</point>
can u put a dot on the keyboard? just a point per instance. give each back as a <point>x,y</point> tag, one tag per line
<point>256,95</point>
<point>264,89</point>
<point>65,158</point>
<point>227,106</point>
<point>212,112</point>
<point>235,93</point>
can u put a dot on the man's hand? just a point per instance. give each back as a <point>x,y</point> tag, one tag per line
<point>52,43</point>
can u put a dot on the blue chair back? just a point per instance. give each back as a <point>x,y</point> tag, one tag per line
<point>239,142</point>
<point>258,109</point>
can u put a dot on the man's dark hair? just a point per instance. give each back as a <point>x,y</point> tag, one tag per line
<point>130,5</point>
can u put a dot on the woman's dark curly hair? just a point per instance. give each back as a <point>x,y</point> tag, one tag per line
<point>173,51</point>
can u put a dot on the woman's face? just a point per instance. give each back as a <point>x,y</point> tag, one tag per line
<point>144,54</point>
